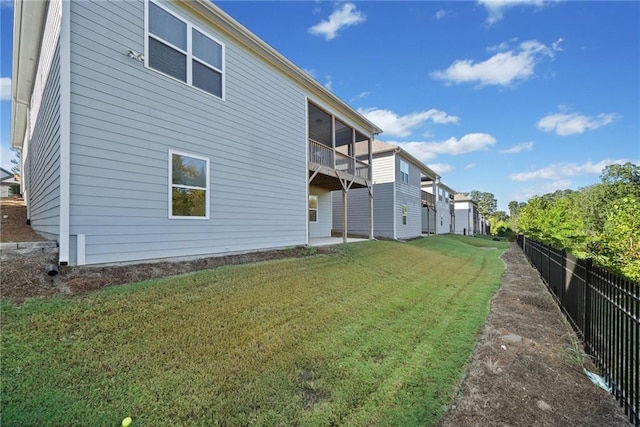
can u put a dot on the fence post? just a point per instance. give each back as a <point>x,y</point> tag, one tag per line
<point>563,275</point>
<point>549,269</point>
<point>588,264</point>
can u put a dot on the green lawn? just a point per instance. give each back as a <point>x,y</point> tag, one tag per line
<point>377,335</point>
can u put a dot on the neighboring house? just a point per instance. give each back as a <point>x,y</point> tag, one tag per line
<point>397,195</point>
<point>162,129</point>
<point>6,179</point>
<point>439,219</point>
<point>467,217</point>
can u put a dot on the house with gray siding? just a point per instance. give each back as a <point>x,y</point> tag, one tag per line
<point>467,216</point>
<point>439,218</point>
<point>157,129</point>
<point>397,196</point>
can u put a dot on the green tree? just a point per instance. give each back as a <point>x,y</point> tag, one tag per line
<point>620,246</point>
<point>487,203</point>
<point>627,173</point>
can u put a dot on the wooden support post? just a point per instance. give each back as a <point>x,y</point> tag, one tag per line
<point>344,215</point>
<point>370,211</point>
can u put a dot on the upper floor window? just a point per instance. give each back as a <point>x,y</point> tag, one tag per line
<point>404,171</point>
<point>180,50</point>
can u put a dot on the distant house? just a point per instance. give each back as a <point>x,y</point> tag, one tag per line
<point>397,196</point>
<point>439,215</point>
<point>161,129</point>
<point>6,179</point>
<point>467,217</point>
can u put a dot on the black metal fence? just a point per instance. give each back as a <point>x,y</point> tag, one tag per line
<point>604,309</point>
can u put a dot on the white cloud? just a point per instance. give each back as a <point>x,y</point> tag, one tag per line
<point>470,166</point>
<point>361,95</point>
<point>558,171</point>
<point>328,83</point>
<point>556,45</point>
<point>342,17</point>
<point>469,143</point>
<point>502,69</point>
<point>440,14</point>
<point>441,168</point>
<point>523,146</point>
<point>5,88</point>
<point>496,8</point>
<point>395,125</point>
<point>574,123</point>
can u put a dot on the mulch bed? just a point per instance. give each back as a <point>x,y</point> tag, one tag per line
<point>527,367</point>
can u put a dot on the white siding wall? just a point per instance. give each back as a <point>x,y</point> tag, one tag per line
<point>463,219</point>
<point>322,228</point>
<point>42,160</point>
<point>125,119</point>
<point>384,168</point>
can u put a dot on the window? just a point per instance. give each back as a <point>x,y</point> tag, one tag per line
<point>313,208</point>
<point>404,171</point>
<point>178,49</point>
<point>188,186</point>
<point>404,214</point>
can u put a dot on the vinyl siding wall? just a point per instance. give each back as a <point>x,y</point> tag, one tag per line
<point>321,228</point>
<point>463,222</point>
<point>428,221</point>
<point>384,168</point>
<point>408,194</point>
<point>358,213</point>
<point>42,153</point>
<point>124,120</point>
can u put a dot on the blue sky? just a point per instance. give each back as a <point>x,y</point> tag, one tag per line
<point>514,98</point>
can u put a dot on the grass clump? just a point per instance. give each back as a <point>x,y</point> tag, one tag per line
<point>378,334</point>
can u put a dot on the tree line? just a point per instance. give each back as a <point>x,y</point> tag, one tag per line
<point>601,221</point>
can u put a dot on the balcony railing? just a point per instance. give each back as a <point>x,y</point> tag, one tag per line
<point>327,157</point>
<point>428,199</point>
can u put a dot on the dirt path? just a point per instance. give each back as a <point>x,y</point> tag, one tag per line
<point>13,222</point>
<point>526,369</point>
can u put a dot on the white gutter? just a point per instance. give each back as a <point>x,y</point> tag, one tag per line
<point>28,25</point>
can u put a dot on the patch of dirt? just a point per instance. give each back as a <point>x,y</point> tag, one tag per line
<point>13,222</point>
<point>25,277</point>
<point>526,369</point>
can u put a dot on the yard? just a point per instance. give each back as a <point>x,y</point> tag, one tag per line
<point>376,334</point>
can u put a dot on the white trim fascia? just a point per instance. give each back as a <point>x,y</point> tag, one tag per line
<point>170,185</point>
<point>65,131</point>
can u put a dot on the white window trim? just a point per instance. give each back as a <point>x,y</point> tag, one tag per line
<point>188,52</point>
<point>170,181</point>
<point>314,209</point>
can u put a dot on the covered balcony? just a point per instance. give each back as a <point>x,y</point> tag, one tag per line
<point>339,155</point>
